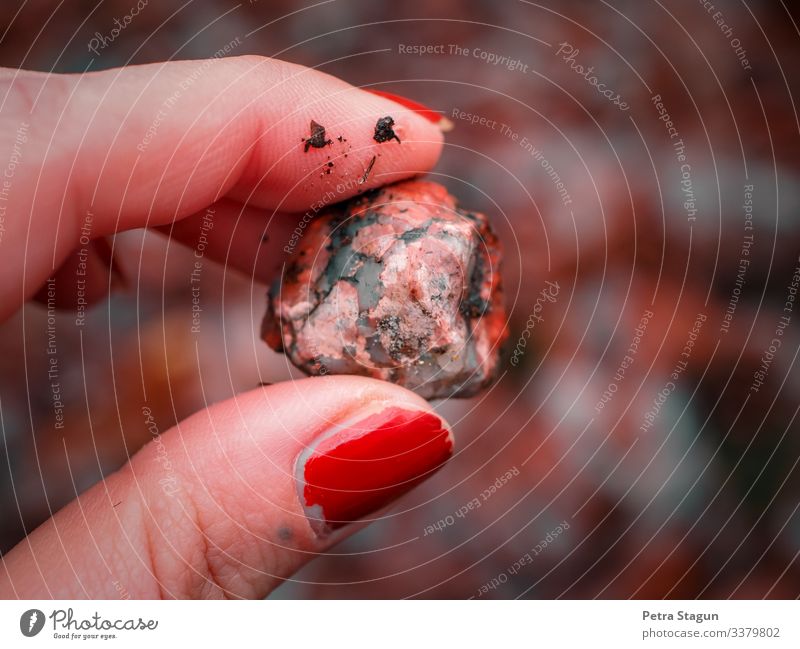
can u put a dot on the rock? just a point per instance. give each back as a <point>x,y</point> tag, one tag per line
<point>398,284</point>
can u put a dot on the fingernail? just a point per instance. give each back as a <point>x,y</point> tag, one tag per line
<point>431,115</point>
<point>367,462</point>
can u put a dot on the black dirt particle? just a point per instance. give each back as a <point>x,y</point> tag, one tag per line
<point>317,139</point>
<point>474,306</point>
<point>413,234</point>
<point>366,172</point>
<point>384,130</point>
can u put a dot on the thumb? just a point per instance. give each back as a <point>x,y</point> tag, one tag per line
<point>236,498</point>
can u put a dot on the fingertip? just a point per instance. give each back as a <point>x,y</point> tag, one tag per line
<point>334,144</point>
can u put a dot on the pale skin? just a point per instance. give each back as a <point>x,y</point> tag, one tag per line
<point>235,526</point>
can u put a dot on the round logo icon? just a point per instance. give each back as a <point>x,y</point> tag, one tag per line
<point>31,622</point>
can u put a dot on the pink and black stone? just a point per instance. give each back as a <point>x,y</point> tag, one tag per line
<point>398,284</point>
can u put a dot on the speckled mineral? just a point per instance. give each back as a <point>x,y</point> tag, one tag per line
<point>399,284</point>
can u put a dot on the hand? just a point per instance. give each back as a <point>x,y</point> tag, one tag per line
<point>236,498</point>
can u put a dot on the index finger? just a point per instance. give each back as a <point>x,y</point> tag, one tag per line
<point>149,145</point>
<point>277,135</point>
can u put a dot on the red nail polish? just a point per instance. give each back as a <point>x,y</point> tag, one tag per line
<point>365,464</point>
<point>427,113</point>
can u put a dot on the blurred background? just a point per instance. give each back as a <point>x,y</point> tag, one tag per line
<point>642,156</point>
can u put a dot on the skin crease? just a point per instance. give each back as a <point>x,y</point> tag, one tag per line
<point>234,136</point>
